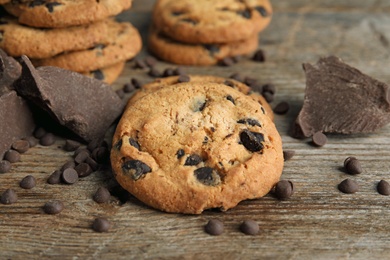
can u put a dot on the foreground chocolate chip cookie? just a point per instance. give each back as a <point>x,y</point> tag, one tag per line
<point>65,13</point>
<point>190,147</point>
<point>164,82</point>
<point>198,54</point>
<point>123,43</point>
<point>206,21</point>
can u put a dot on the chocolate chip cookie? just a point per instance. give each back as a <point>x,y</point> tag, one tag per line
<point>206,21</point>
<point>164,82</point>
<point>190,147</point>
<point>65,13</point>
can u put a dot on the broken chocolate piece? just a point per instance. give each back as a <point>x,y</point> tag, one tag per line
<point>84,105</point>
<point>252,140</point>
<point>135,169</point>
<point>341,99</point>
<point>10,70</point>
<point>16,120</point>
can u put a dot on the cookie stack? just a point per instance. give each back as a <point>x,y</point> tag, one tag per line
<point>205,32</point>
<point>81,36</point>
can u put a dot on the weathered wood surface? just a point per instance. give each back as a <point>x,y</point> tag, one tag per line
<point>318,222</point>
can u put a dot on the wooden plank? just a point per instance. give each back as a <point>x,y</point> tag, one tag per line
<point>318,221</point>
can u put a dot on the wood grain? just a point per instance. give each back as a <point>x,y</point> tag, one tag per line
<point>317,222</point>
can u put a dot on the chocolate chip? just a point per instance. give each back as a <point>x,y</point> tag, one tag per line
<point>212,48</point>
<point>71,145</point>
<point>92,163</point>
<point>193,159</point>
<point>31,140</point>
<point>83,170</point>
<point>229,83</point>
<point>270,88</point>
<point>250,81</point>
<point>227,61</point>
<point>319,139</point>
<point>284,189</point>
<point>352,165</point>
<point>9,196</point>
<point>134,143</point>
<point>136,83</point>
<point>180,153</point>
<point>207,176</point>
<point>94,144</point>
<point>53,207</point>
<point>28,182</point>
<point>214,227</point>
<point>183,78</point>
<point>70,176</point>
<point>153,72</point>
<point>128,87</point>
<point>150,61</point>
<point>231,99</point>
<point>47,140</point>
<point>249,121</point>
<point>168,72</point>
<point>269,97</point>
<point>236,76</point>
<point>135,168</point>
<point>288,154</point>
<point>348,186</point>
<point>245,13</point>
<point>249,227</point>
<point>179,71</point>
<point>102,195</point>
<point>282,108</point>
<point>101,154</point>
<point>200,105</point>
<point>139,63</point>
<point>39,132</point>
<point>12,156</point>
<point>120,93</point>
<point>101,225</point>
<point>21,146</point>
<point>252,141</point>
<point>263,12</point>
<point>118,144</point>
<point>81,157</point>
<point>55,177</point>
<point>383,188</point>
<point>98,74</point>
<point>68,164</point>
<point>259,56</point>
<point>5,166</point>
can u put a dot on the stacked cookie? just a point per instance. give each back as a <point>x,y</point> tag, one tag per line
<point>205,32</point>
<point>81,36</point>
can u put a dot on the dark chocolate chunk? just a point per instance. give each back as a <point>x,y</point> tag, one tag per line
<point>183,78</point>
<point>12,156</point>
<point>83,170</point>
<point>16,120</point>
<point>341,99</point>
<point>353,166</point>
<point>284,189</point>
<point>212,48</point>
<point>207,176</point>
<point>134,143</point>
<point>193,159</point>
<point>55,177</point>
<point>5,166</point>
<point>102,195</point>
<point>249,121</point>
<point>180,153</point>
<point>252,140</point>
<point>319,139</point>
<point>101,225</point>
<point>47,140</point>
<point>70,176</point>
<point>10,70</point>
<point>21,146</point>
<point>28,182</point>
<point>71,145</point>
<point>231,99</point>
<point>288,154</point>
<point>282,108</point>
<point>84,105</point>
<point>214,227</point>
<point>383,188</point>
<point>249,227</point>
<point>135,168</point>
<point>9,196</point>
<point>259,56</point>
<point>53,207</point>
<point>348,186</point>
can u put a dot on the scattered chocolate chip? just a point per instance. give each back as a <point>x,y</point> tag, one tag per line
<point>28,182</point>
<point>231,99</point>
<point>94,144</point>
<point>214,227</point>
<point>245,13</point>
<point>193,159</point>
<point>120,93</point>
<point>136,83</point>
<point>229,83</point>
<point>227,61</point>
<point>249,121</point>
<point>352,165</point>
<point>259,56</point>
<point>128,87</point>
<point>102,195</point>
<point>250,81</point>
<point>47,140</point>
<point>70,176</point>
<point>180,153</point>
<point>383,188</point>
<point>269,97</point>
<point>270,88</point>
<point>282,108</point>
<point>39,132</point>
<point>55,177</point>
<point>168,72</point>
<point>153,72</point>
<point>83,170</point>
<point>101,225</point>
<point>263,12</point>
<point>53,207</point>
<point>183,78</point>
<point>92,163</point>
<point>31,140</point>
<point>179,71</point>
<point>81,157</point>
<point>134,143</point>
<point>21,146</point>
<point>212,48</point>
<point>288,154</point>
<point>150,61</point>
<point>12,156</point>
<point>284,189</point>
<point>348,186</point>
<point>139,63</point>
<point>5,166</point>
<point>71,145</point>
<point>9,196</point>
<point>68,164</point>
<point>249,227</point>
<point>135,169</point>
<point>207,176</point>
<point>101,154</point>
<point>319,139</point>
<point>252,141</point>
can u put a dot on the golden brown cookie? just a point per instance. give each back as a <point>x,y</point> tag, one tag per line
<point>65,13</point>
<point>198,54</point>
<point>124,44</point>
<point>164,82</point>
<point>190,147</point>
<point>205,21</point>
<point>107,74</point>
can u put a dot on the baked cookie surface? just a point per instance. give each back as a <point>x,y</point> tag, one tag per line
<point>64,13</point>
<point>190,147</point>
<point>208,21</point>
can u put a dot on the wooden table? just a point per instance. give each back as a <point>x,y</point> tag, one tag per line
<point>318,222</point>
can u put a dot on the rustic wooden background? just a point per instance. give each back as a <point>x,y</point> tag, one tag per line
<point>318,222</point>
